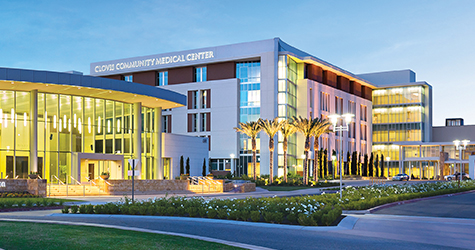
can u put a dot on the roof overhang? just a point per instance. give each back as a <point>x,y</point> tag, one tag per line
<point>89,86</point>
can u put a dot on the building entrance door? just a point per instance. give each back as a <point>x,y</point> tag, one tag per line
<point>91,171</point>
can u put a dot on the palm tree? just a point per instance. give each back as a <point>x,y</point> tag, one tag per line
<point>322,126</point>
<point>251,129</point>
<point>306,127</point>
<point>287,130</point>
<point>271,127</point>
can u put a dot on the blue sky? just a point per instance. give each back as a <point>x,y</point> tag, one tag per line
<point>433,38</point>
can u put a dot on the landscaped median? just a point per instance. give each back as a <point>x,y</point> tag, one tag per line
<point>322,210</point>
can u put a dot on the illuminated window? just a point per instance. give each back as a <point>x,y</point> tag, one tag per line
<point>200,74</point>
<point>162,78</point>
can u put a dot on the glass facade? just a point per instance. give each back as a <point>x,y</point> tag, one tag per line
<point>68,125</point>
<point>398,116</point>
<point>249,74</point>
<point>287,101</point>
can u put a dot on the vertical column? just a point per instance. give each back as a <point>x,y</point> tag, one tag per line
<point>138,135</point>
<point>157,142</point>
<point>34,131</point>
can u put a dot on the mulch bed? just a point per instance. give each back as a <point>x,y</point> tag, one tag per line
<point>15,209</point>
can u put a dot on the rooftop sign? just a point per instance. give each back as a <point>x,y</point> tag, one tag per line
<point>148,62</point>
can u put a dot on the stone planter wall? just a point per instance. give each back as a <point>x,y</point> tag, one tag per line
<point>143,186</point>
<point>32,186</point>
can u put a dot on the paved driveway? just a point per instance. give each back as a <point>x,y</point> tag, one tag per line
<point>456,206</point>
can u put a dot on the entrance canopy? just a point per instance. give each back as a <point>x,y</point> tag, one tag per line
<point>89,86</point>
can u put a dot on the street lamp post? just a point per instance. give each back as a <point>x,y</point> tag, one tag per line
<point>334,120</point>
<point>460,145</point>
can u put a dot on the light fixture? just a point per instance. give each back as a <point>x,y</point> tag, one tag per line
<point>74,120</point>
<point>60,127</point>
<point>118,125</point>
<point>69,125</point>
<point>12,116</point>
<point>64,119</point>
<point>99,125</point>
<point>46,119</point>
<point>108,126</point>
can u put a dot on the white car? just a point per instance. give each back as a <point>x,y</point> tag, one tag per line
<point>456,176</point>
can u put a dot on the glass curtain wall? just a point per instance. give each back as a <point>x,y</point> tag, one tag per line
<point>68,125</point>
<point>249,74</point>
<point>286,101</point>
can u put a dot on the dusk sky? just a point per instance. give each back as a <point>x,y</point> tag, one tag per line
<point>433,38</point>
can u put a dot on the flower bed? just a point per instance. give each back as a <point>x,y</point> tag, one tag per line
<point>17,195</point>
<point>322,210</point>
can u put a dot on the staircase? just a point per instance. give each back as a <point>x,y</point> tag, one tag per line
<point>73,190</point>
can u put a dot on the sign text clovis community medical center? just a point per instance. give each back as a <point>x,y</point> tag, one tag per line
<point>152,61</point>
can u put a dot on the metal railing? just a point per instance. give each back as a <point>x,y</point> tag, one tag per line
<point>204,181</point>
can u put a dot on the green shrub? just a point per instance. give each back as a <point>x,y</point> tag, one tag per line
<point>162,210</point>
<point>29,203</point>
<point>180,211</point>
<point>133,209</point>
<point>74,209</point>
<point>89,209</point>
<point>82,209</point>
<point>192,211</point>
<point>278,217</point>
<point>306,220</point>
<point>65,210</point>
<point>171,211</point>
<point>292,218</point>
<point>202,212</point>
<point>268,217</point>
<point>211,213</point>
<point>143,210</point>
<point>222,213</point>
<point>255,216</point>
<point>245,215</point>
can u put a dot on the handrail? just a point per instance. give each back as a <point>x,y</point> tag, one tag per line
<point>79,183</point>
<point>39,177</point>
<point>59,181</point>
<point>108,183</point>
<point>16,177</point>
<point>6,177</point>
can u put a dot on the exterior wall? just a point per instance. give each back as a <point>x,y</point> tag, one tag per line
<point>224,110</point>
<point>196,148</point>
<point>304,108</point>
<point>451,133</point>
<point>119,187</point>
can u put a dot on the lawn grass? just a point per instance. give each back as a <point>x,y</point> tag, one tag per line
<point>25,235</point>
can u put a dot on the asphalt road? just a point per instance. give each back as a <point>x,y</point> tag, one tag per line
<point>270,236</point>
<point>456,206</point>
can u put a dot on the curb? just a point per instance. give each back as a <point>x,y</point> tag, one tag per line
<point>346,223</point>
<point>203,238</point>
<point>388,205</point>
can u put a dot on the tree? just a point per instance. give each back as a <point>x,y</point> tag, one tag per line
<point>251,129</point>
<point>187,165</point>
<point>354,163</point>
<point>320,161</point>
<point>204,167</point>
<point>209,166</point>
<point>322,126</point>
<point>325,160</point>
<point>182,167</point>
<point>365,165</point>
<point>333,164</point>
<point>306,127</point>
<point>287,130</point>
<point>348,160</point>
<point>376,165</point>
<point>382,165</point>
<point>271,127</point>
<point>359,165</point>
<point>370,167</point>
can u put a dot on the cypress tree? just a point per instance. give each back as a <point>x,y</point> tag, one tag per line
<point>376,165</point>
<point>365,165</point>
<point>188,166</point>
<point>370,167</point>
<point>354,162</point>
<point>325,159</point>
<point>204,167</point>
<point>348,159</point>
<point>182,166</point>
<point>320,162</point>
<point>382,165</point>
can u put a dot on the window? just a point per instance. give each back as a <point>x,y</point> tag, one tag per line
<point>193,99</point>
<point>128,78</point>
<point>324,101</point>
<point>205,122</point>
<point>167,124</point>
<point>200,74</point>
<point>205,99</point>
<point>338,105</point>
<point>162,78</point>
<point>192,122</point>
<point>363,111</point>
<point>351,126</point>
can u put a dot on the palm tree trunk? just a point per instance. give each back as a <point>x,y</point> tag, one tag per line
<point>315,159</point>
<point>305,167</point>
<point>254,157</point>
<point>285,159</point>
<point>271,162</point>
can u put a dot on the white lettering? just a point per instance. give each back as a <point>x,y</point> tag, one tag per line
<point>2,184</point>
